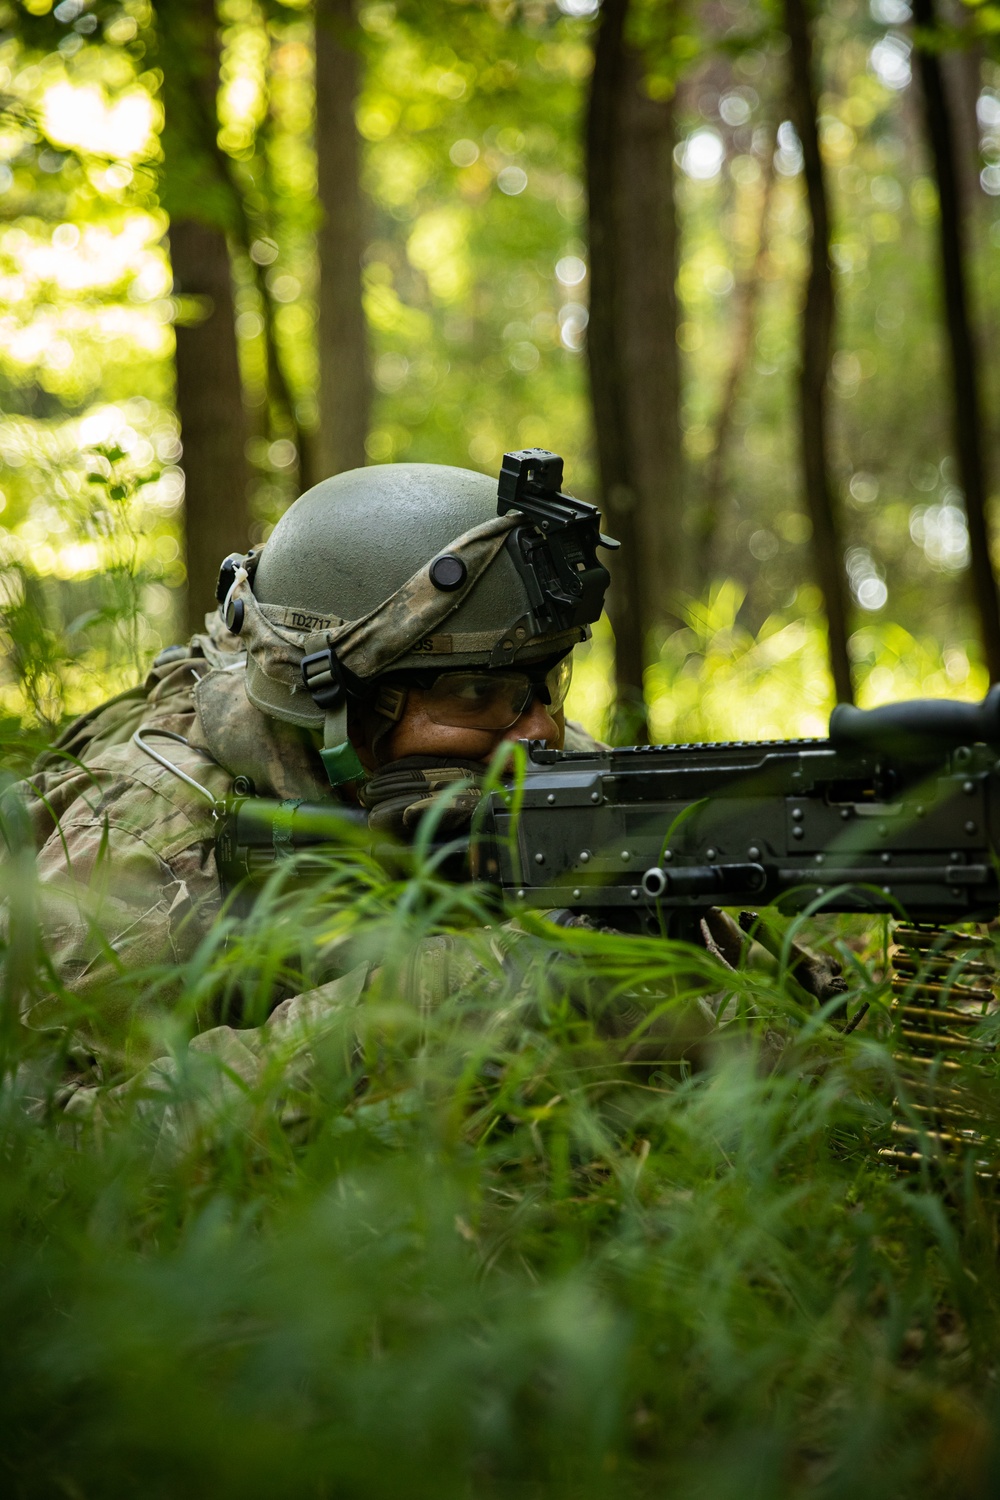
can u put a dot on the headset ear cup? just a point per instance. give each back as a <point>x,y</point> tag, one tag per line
<point>227,573</point>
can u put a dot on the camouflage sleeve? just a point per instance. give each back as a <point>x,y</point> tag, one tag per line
<point>125,884</point>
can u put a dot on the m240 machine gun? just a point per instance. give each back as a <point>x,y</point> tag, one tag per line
<point>898,811</point>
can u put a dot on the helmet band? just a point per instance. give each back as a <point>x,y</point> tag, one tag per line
<point>369,646</point>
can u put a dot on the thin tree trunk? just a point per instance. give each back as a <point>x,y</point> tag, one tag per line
<point>747,299</point>
<point>817,347</point>
<point>607,383</point>
<point>345,382</point>
<point>962,69</point>
<point>214,426</point>
<point>967,413</point>
<point>632,348</point>
<point>202,181</point>
<point>648,259</point>
<point>209,396</point>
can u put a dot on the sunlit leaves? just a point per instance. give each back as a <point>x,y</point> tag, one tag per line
<point>469,117</point>
<point>83,117</point>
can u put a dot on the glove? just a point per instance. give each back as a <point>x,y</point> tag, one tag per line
<point>398,795</point>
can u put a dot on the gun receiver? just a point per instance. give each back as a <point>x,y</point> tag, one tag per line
<point>897,811</point>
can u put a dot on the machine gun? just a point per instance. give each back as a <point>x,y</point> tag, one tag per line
<point>897,811</point>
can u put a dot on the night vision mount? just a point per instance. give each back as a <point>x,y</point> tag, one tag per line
<point>555,552</point>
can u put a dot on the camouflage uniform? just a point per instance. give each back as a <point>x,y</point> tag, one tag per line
<point>126,867</point>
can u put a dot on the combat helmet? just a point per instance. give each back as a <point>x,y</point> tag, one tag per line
<point>401,567</point>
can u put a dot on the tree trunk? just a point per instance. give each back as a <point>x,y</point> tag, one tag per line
<point>817,347</point>
<point>203,207</point>
<point>967,415</point>
<point>747,298</point>
<point>649,244</point>
<point>213,420</point>
<point>632,349</point>
<point>345,382</point>
<point>963,70</point>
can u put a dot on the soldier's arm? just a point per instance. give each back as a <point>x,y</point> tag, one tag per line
<point>125,889</point>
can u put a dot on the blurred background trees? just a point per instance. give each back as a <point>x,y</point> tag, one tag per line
<point>635,379</point>
<point>344,379</point>
<point>246,244</point>
<point>202,202</point>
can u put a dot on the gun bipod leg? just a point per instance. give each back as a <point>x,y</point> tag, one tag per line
<point>943,985</point>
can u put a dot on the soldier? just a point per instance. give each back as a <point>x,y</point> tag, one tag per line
<point>388,638</point>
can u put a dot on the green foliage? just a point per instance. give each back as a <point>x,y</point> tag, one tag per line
<point>472,1234</point>
<point>473,164</point>
<point>475,270</point>
<point>60,628</point>
<point>470,1240</point>
<point>477,342</point>
<point>715,680</point>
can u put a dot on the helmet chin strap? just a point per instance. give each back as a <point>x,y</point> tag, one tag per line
<point>339,757</point>
<point>338,754</point>
<point>335,727</point>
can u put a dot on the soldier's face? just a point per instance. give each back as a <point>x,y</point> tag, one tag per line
<point>417,733</point>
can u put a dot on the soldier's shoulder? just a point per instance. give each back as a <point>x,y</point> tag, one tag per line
<point>166,799</point>
<point>165,696</point>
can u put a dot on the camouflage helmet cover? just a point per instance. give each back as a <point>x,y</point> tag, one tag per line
<point>350,547</point>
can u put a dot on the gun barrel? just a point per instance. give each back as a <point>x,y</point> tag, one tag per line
<point>700,880</point>
<point>922,725</point>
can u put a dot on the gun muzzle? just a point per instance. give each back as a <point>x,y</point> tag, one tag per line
<point>703,880</point>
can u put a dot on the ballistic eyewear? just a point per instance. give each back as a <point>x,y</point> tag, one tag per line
<point>494,700</point>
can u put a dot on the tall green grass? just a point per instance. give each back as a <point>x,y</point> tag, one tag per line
<point>475,1229</point>
<point>498,1214</point>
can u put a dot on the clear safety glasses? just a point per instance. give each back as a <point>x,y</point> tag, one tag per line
<point>494,700</point>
